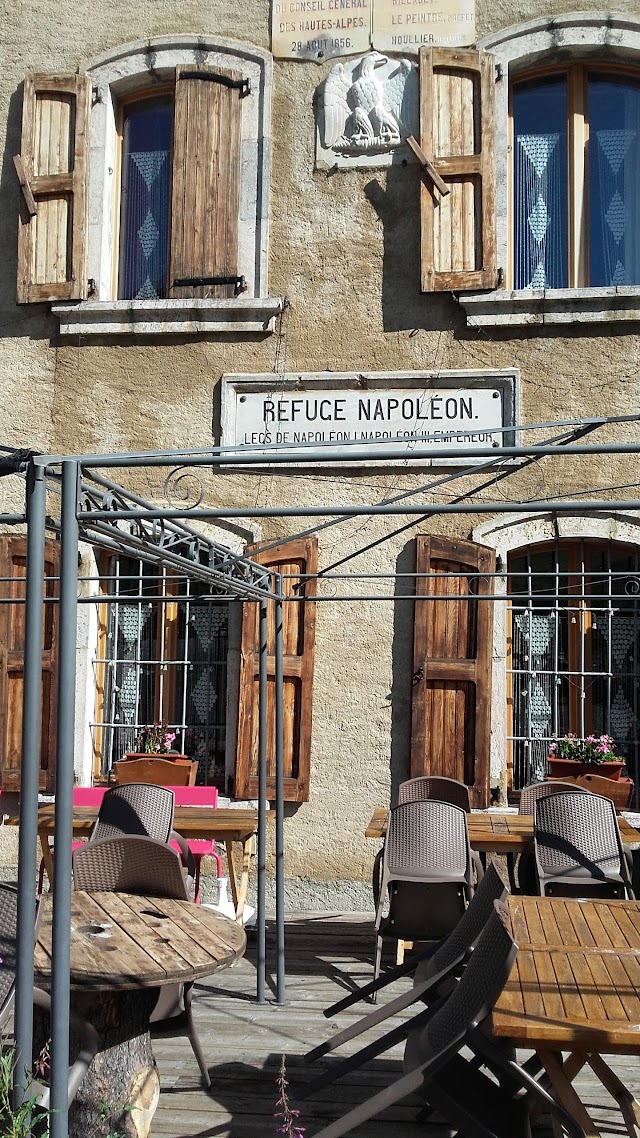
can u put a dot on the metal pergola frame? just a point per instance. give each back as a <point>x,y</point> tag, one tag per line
<point>96,510</point>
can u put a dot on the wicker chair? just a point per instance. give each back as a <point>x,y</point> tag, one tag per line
<point>84,1032</point>
<point>430,786</point>
<point>529,795</point>
<point>578,848</point>
<point>434,1067</point>
<point>425,870</point>
<point>435,970</point>
<point>134,864</point>
<point>144,809</point>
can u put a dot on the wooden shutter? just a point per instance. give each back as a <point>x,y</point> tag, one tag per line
<point>456,134</point>
<point>452,655</point>
<point>206,180</point>
<point>299,620</point>
<point>13,564</point>
<point>52,170</point>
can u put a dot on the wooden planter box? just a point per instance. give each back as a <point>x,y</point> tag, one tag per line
<point>561,768</point>
<point>157,755</point>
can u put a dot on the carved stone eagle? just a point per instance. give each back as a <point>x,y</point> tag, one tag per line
<point>363,111</point>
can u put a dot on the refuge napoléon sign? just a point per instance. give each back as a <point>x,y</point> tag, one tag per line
<point>418,411</point>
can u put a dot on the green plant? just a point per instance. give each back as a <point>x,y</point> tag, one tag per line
<point>155,739</point>
<point>289,1117</point>
<point>593,749</point>
<point>16,1123</point>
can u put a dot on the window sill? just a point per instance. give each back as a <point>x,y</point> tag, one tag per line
<point>550,306</point>
<point>191,317</point>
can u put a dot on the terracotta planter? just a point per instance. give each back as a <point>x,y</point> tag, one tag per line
<point>560,768</point>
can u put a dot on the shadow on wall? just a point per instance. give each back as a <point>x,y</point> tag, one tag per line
<point>32,320</point>
<point>401,669</point>
<point>404,307</point>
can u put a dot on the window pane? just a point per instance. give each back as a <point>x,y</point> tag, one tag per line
<point>540,183</point>
<point>146,182</point>
<point>614,173</point>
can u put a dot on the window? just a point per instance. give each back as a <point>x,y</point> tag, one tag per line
<point>145,191</point>
<point>578,229</point>
<point>162,662</point>
<point>563,135</point>
<point>573,651</point>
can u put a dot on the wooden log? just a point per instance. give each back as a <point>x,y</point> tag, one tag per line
<point>120,1092</point>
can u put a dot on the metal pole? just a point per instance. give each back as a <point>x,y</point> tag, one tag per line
<point>29,778</point>
<point>279,718</point>
<point>64,804</point>
<point>262,804</point>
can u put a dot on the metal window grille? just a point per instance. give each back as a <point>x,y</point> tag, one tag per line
<point>574,651</point>
<point>165,662</point>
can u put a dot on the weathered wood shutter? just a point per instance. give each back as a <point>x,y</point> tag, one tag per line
<point>52,169</point>
<point>452,654</point>
<point>298,558</point>
<point>206,180</point>
<point>457,135</point>
<point>13,564</point>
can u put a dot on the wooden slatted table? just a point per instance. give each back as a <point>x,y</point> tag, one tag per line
<point>227,826</point>
<point>495,833</point>
<point>123,949</point>
<point>575,987</point>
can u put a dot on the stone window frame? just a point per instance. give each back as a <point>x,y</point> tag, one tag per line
<point>602,37</point>
<point>137,68</point>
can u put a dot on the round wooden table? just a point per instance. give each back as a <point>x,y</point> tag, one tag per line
<point>123,949</point>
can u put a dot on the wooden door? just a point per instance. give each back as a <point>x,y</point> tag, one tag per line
<point>293,559</point>
<point>452,655</point>
<point>13,565</point>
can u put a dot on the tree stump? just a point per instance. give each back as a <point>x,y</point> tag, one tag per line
<point>119,1094</point>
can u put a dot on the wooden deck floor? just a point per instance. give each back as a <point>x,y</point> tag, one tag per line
<point>244,1042</point>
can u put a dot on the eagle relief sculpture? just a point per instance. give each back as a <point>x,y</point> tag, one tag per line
<point>369,106</point>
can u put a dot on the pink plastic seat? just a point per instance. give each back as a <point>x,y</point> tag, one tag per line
<point>82,796</point>
<point>199,847</point>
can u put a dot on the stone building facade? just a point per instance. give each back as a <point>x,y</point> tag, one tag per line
<point>339,270</point>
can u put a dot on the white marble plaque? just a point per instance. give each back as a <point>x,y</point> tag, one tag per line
<point>418,411</point>
<point>319,29</point>
<point>407,25</point>
<point>366,108</point>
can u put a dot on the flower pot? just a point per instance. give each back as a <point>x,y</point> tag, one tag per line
<point>560,768</point>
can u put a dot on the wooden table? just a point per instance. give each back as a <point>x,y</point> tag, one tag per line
<point>123,949</point>
<point>228,826</point>
<point>495,833</point>
<point>575,987</point>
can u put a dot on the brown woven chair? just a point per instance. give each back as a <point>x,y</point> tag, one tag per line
<point>530,794</point>
<point>432,786</point>
<point>159,771</point>
<point>578,848</point>
<point>144,809</point>
<point>435,970</point>
<point>424,871</point>
<point>86,1035</point>
<point>134,864</point>
<point>435,1068</point>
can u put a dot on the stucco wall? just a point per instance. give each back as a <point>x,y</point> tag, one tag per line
<point>344,252</point>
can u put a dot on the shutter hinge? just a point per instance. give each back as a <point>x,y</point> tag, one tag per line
<point>499,72</point>
<point>196,282</point>
<point>243,85</point>
<point>500,277</point>
<point>96,96</point>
